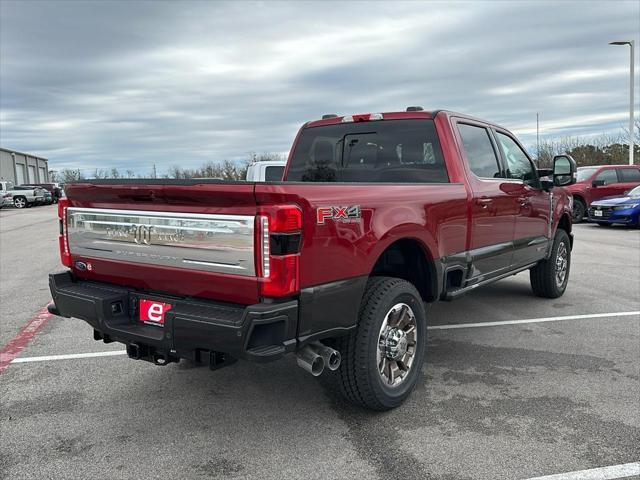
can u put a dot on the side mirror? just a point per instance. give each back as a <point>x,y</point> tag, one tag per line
<point>597,183</point>
<point>564,170</point>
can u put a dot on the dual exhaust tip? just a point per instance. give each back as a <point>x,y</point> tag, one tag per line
<point>315,357</point>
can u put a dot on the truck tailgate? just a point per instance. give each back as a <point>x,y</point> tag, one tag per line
<point>195,238</point>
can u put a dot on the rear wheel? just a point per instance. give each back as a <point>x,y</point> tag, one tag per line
<point>549,277</point>
<point>579,209</point>
<point>19,202</point>
<point>382,358</point>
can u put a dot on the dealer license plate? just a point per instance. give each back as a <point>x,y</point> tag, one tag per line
<point>597,213</point>
<point>152,312</point>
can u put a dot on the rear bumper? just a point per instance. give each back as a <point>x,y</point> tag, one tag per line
<point>195,329</point>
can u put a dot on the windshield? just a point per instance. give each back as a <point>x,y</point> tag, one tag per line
<point>585,173</point>
<point>635,192</point>
<point>398,151</point>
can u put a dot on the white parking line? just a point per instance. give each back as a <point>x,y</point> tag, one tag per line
<point>604,473</point>
<point>69,356</point>
<point>534,320</point>
<point>72,356</point>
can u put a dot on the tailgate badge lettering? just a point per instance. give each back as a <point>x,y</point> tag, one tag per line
<point>142,234</point>
<point>338,213</point>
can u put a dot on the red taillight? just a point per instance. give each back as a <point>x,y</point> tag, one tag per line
<point>279,237</point>
<point>65,254</point>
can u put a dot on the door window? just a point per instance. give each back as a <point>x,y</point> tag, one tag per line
<point>479,151</point>
<point>629,175</point>
<point>518,164</point>
<point>608,176</point>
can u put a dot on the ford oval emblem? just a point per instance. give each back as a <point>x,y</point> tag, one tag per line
<point>81,265</point>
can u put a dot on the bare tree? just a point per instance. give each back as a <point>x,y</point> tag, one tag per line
<point>68,175</point>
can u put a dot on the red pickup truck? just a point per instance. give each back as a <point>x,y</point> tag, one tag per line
<point>377,214</point>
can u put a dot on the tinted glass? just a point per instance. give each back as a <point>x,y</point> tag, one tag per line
<point>609,176</point>
<point>479,151</point>
<point>635,192</point>
<point>629,175</point>
<point>396,151</point>
<point>518,165</point>
<point>273,174</point>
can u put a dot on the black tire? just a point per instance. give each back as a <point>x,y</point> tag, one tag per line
<point>544,276</point>
<point>359,377</point>
<point>20,202</point>
<point>604,224</point>
<point>579,210</point>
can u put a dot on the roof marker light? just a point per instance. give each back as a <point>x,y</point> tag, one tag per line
<point>347,119</point>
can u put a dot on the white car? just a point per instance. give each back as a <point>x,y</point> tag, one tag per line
<point>6,198</point>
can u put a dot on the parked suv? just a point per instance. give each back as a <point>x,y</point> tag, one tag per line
<point>598,182</point>
<point>53,188</point>
<point>47,195</point>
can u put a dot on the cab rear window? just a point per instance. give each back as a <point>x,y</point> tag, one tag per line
<point>394,151</point>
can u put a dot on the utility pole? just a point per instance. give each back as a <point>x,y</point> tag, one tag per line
<point>631,44</point>
<point>538,137</point>
<point>155,174</point>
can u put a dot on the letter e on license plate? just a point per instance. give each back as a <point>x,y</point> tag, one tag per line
<point>152,312</point>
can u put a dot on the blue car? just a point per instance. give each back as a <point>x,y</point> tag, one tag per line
<point>625,210</point>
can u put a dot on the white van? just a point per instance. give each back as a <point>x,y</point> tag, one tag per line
<point>266,171</point>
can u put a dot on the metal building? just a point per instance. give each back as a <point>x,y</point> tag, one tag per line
<point>21,168</point>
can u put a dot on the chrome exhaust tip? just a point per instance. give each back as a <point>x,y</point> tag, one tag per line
<point>310,361</point>
<point>332,357</point>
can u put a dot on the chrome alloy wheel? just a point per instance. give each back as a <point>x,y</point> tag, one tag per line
<point>397,344</point>
<point>19,202</point>
<point>562,264</point>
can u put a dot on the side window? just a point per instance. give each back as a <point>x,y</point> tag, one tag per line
<point>479,151</point>
<point>273,173</point>
<point>629,175</point>
<point>518,164</point>
<point>608,176</point>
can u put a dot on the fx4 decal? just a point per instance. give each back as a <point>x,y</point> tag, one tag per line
<point>340,214</point>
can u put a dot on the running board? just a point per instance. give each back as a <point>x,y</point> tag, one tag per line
<point>458,292</point>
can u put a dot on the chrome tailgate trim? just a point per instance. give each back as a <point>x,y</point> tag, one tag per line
<point>213,243</point>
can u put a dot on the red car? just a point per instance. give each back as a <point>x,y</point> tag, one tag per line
<point>377,214</point>
<point>594,183</point>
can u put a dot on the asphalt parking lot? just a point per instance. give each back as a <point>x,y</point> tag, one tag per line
<point>507,401</point>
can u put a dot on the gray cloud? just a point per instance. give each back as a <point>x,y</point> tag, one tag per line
<point>129,84</point>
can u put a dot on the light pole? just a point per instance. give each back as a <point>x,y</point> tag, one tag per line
<point>631,44</point>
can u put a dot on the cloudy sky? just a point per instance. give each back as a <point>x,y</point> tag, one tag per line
<point>126,84</point>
